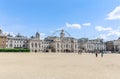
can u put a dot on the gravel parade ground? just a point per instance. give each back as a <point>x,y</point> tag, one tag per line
<point>59,66</point>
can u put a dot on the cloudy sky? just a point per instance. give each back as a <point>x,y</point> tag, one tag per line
<point>81,18</point>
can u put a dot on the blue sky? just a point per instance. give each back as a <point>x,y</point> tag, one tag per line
<point>81,18</point>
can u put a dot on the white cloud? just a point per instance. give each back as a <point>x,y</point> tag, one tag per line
<point>108,33</point>
<point>42,35</point>
<point>115,14</point>
<point>86,24</point>
<point>100,28</point>
<point>76,26</point>
<point>11,33</point>
<point>103,36</point>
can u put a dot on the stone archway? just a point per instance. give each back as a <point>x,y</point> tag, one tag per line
<point>35,51</point>
<point>67,50</point>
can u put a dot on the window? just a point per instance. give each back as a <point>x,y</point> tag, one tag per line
<point>67,46</point>
<point>57,45</point>
<point>10,45</point>
<point>32,44</point>
<point>36,45</point>
<point>39,44</point>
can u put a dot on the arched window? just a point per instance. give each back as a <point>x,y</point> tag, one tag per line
<point>36,45</point>
<point>66,45</point>
<point>57,45</point>
<point>39,45</point>
<point>32,44</point>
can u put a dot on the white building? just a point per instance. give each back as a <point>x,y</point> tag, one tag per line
<point>116,44</point>
<point>82,44</point>
<point>95,45</point>
<point>35,44</point>
<point>57,43</point>
<point>62,43</point>
<point>16,42</point>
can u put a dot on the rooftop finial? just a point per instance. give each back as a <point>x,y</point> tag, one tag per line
<point>62,34</point>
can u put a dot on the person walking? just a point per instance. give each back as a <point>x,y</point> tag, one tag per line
<point>101,54</point>
<point>96,54</point>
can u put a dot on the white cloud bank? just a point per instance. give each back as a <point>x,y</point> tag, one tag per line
<point>108,32</point>
<point>76,26</point>
<point>100,28</point>
<point>86,24</point>
<point>115,14</point>
<point>11,33</point>
<point>42,35</point>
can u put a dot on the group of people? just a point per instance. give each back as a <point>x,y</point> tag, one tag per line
<point>96,54</point>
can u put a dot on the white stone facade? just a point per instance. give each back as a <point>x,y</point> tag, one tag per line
<point>95,45</point>
<point>64,44</point>
<point>37,45</point>
<point>16,42</point>
<point>57,44</point>
<point>116,44</point>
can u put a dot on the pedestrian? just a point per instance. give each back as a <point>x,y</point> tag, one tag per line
<point>96,54</point>
<point>101,54</point>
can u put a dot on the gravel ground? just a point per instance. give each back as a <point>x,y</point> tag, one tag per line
<point>59,66</point>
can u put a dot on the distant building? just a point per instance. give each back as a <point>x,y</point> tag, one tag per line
<point>82,44</point>
<point>17,41</point>
<point>95,45</point>
<point>62,43</point>
<point>3,40</point>
<point>116,44</point>
<point>109,46</point>
<point>34,43</point>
